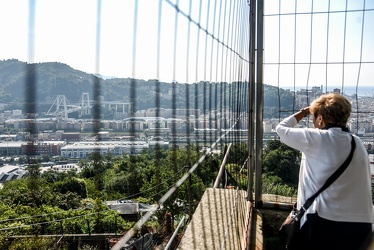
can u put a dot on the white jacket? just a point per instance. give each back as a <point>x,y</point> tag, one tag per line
<point>349,198</point>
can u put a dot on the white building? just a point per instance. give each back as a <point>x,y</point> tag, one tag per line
<point>11,172</point>
<point>267,126</point>
<point>64,168</point>
<point>84,149</point>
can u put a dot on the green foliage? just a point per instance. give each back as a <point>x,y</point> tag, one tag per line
<point>237,177</point>
<point>195,190</point>
<point>52,176</point>
<point>31,243</point>
<point>238,153</point>
<point>281,161</point>
<point>92,192</point>
<point>274,185</point>
<point>276,99</point>
<point>68,200</point>
<point>281,166</point>
<point>73,185</point>
<point>14,192</point>
<point>25,192</point>
<point>71,203</point>
<point>98,170</point>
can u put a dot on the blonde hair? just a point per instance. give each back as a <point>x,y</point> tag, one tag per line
<point>334,108</point>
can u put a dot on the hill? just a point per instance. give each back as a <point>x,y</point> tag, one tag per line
<point>53,78</point>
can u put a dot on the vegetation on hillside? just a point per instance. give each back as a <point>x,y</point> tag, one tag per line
<point>51,79</point>
<point>54,203</point>
<point>281,165</point>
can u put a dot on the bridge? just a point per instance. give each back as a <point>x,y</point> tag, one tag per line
<point>61,107</point>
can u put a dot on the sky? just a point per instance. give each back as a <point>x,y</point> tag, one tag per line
<point>67,31</point>
<point>337,36</point>
<point>74,32</point>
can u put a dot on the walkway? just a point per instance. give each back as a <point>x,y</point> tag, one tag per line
<point>221,221</point>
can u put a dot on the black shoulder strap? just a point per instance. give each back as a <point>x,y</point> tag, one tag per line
<point>329,181</point>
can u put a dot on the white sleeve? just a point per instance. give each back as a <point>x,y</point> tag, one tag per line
<point>291,136</point>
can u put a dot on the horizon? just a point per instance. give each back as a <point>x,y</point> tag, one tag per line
<point>289,87</point>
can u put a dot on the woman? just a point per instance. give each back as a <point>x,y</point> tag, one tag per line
<point>341,216</point>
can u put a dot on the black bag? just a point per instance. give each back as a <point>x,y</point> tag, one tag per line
<point>289,230</point>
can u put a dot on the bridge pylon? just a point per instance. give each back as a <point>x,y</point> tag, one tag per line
<point>61,110</point>
<point>85,104</point>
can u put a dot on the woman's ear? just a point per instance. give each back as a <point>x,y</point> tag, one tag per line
<point>321,121</point>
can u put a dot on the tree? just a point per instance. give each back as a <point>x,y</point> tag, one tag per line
<point>72,184</point>
<point>68,200</point>
<point>276,99</point>
<point>15,192</point>
<point>281,161</point>
<point>34,183</point>
<point>277,144</point>
<point>238,153</point>
<point>98,170</point>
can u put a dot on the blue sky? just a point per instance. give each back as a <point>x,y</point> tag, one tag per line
<point>66,31</point>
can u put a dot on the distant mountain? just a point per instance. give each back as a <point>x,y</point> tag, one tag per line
<point>51,79</point>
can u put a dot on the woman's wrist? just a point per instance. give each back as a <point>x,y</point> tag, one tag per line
<point>305,112</point>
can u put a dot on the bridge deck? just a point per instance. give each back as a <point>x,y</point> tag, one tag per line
<point>221,221</point>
